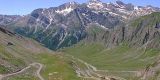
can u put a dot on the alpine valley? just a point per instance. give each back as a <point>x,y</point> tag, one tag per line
<point>88,41</point>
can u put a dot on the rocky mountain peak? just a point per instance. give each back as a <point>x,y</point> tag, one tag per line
<point>7,19</point>
<point>94,0</point>
<point>95,4</point>
<point>66,8</point>
<point>67,5</point>
<point>122,5</point>
<point>120,2</point>
<point>66,24</point>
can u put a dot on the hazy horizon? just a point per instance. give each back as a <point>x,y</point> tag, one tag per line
<point>18,7</point>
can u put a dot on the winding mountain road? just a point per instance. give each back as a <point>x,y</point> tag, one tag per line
<point>39,70</point>
<point>0,77</point>
<point>24,69</point>
<point>91,71</point>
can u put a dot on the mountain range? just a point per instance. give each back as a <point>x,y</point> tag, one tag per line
<point>67,24</point>
<point>88,41</point>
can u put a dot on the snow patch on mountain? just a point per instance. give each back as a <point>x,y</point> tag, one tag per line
<point>95,4</point>
<point>50,19</point>
<point>136,8</point>
<point>63,37</point>
<point>64,11</point>
<point>101,26</point>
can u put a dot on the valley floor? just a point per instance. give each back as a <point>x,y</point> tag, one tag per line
<point>122,61</point>
<point>26,59</point>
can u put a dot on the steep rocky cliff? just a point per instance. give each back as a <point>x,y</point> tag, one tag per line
<point>141,32</point>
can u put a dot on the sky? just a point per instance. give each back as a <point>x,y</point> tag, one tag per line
<point>23,7</point>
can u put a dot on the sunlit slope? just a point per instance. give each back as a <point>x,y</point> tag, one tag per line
<point>18,53</point>
<point>131,48</point>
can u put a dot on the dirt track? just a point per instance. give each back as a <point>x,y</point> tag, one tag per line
<point>24,69</point>
<point>91,71</point>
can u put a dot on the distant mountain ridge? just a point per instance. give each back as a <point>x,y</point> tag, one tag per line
<point>67,24</point>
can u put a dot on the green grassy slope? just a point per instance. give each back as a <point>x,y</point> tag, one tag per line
<point>147,20</point>
<point>120,58</point>
<point>25,51</point>
<point>56,67</point>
